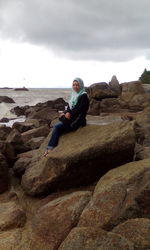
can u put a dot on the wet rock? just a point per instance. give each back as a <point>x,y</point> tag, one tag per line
<point>19,110</point>
<point>6,99</point>
<point>4,119</point>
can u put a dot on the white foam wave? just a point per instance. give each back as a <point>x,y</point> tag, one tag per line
<point>5,111</point>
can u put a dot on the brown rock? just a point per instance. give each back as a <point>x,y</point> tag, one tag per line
<point>139,102</point>
<point>77,162</point>
<point>113,105</point>
<point>53,221</point>
<point>4,119</point>
<point>4,132</point>
<point>38,122</point>
<point>114,85</point>
<point>21,165</point>
<point>23,126</point>
<point>12,216</point>
<point>36,132</point>
<point>100,90</point>
<point>19,110</point>
<point>16,141</point>
<point>48,114</point>
<point>121,194</point>
<point>141,152</point>
<point>94,107</point>
<point>6,99</point>
<point>35,143</point>
<point>4,177</point>
<point>137,231</point>
<point>11,240</point>
<point>130,89</point>
<point>91,238</point>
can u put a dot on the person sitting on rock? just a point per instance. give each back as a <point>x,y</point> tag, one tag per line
<point>74,116</point>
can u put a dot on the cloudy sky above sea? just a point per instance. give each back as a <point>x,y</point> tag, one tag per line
<point>47,43</point>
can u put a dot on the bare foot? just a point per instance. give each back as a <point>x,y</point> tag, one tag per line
<point>46,152</point>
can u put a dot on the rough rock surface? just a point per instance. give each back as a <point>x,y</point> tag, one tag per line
<point>136,231</point>
<point>121,194</point>
<point>4,177</point>
<point>90,238</point>
<point>81,157</point>
<point>53,222</point>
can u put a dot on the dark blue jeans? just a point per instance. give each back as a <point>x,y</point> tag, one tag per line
<point>57,130</point>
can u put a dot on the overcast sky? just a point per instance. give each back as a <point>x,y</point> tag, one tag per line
<point>47,43</point>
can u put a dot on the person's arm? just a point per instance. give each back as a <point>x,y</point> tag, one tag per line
<point>81,106</point>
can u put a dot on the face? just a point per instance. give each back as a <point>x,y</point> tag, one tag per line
<point>76,86</point>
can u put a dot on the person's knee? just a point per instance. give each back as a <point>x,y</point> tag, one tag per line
<point>59,126</point>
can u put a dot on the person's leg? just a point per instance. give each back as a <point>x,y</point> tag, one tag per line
<point>57,130</point>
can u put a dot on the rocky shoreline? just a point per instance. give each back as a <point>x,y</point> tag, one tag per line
<point>92,191</point>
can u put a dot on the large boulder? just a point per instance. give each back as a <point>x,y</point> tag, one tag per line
<point>22,127</point>
<point>21,165</point>
<point>4,176</point>
<point>35,143</point>
<point>81,157</point>
<point>35,132</point>
<point>91,238</point>
<point>53,221</point>
<point>58,104</point>
<point>19,110</point>
<point>114,85</point>
<point>47,113</point>
<point>146,88</point>
<point>100,90</point>
<point>16,141</point>
<point>4,132</point>
<point>121,194</point>
<point>136,231</point>
<point>12,216</point>
<point>94,107</point>
<point>139,102</point>
<point>113,105</point>
<point>11,239</point>
<point>6,99</point>
<point>38,122</point>
<point>130,89</point>
<point>143,118</point>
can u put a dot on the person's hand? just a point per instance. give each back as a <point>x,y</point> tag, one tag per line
<point>61,114</point>
<point>67,115</point>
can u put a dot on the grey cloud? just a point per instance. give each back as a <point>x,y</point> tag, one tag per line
<point>88,29</point>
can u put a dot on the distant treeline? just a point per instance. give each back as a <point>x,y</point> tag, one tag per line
<point>145,77</point>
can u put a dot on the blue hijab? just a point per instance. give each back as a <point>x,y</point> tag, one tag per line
<point>75,95</point>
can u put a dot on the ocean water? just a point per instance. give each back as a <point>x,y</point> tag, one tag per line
<point>31,97</point>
